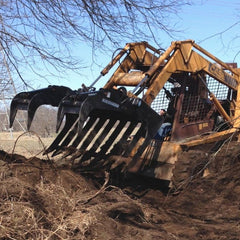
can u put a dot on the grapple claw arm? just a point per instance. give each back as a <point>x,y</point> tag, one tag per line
<point>30,101</point>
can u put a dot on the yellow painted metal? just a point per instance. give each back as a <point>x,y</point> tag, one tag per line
<point>217,60</point>
<point>219,107</point>
<point>185,59</point>
<point>186,50</point>
<point>135,53</point>
<point>236,117</point>
<point>181,56</point>
<point>184,56</point>
<point>115,60</point>
<point>212,137</point>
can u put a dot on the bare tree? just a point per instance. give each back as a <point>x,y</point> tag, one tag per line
<point>42,33</point>
<point>226,45</point>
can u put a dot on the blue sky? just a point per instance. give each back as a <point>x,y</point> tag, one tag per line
<point>209,22</point>
<point>210,18</point>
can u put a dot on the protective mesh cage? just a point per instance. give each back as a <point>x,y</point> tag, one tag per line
<point>218,89</point>
<point>194,107</point>
<point>161,101</point>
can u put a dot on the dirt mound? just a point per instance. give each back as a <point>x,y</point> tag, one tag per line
<point>212,202</point>
<point>40,200</point>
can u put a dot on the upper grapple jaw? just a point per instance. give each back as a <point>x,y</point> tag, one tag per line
<point>30,101</point>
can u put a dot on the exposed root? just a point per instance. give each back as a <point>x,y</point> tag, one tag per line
<point>102,189</point>
<point>40,140</point>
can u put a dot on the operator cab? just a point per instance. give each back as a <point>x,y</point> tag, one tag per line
<point>186,97</point>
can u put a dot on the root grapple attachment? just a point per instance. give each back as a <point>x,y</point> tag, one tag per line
<point>103,124</point>
<point>99,126</point>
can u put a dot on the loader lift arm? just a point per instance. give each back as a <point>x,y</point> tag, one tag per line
<point>180,56</point>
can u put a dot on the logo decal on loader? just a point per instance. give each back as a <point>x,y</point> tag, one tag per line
<point>110,103</point>
<point>220,74</point>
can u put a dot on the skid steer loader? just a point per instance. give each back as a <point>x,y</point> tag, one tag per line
<point>117,125</point>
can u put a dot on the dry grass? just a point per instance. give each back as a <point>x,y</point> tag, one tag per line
<point>27,144</point>
<point>39,201</point>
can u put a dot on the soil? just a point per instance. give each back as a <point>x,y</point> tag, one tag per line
<point>44,199</point>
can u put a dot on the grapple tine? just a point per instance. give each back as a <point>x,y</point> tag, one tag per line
<point>113,136</point>
<point>93,133</point>
<point>116,148</point>
<point>60,116</point>
<point>66,139</point>
<point>140,133</point>
<point>84,131</point>
<point>78,126</point>
<point>19,102</point>
<point>99,140</point>
<point>70,135</point>
<point>37,100</point>
<point>70,104</point>
<point>104,133</point>
<point>70,120</point>
<point>114,109</point>
<point>99,124</point>
<point>13,112</point>
<point>135,164</point>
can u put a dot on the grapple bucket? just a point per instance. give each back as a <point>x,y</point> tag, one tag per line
<point>103,125</point>
<point>30,101</point>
